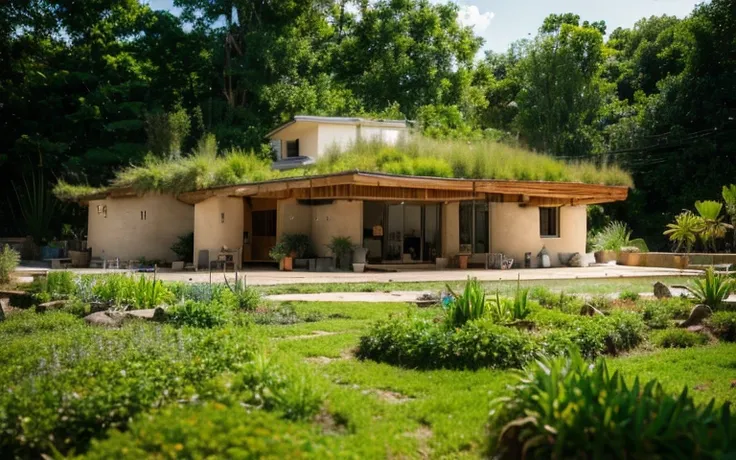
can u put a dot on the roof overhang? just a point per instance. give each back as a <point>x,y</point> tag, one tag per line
<point>380,186</point>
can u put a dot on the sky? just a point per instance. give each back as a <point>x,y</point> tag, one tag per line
<point>501,22</point>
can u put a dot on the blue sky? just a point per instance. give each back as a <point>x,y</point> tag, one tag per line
<point>500,22</point>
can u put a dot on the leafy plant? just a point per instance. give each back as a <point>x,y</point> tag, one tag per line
<point>55,285</point>
<point>520,309</point>
<point>723,324</point>
<point>199,314</point>
<point>563,406</point>
<point>150,293</point>
<point>711,289</point>
<point>291,245</point>
<point>678,338</point>
<point>184,247</point>
<point>713,227</point>
<point>279,251</point>
<point>632,296</point>
<point>341,246</point>
<point>615,236</point>
<point>468,306</point>
<point>685,230</point>
<point>729,197</point>
<point>9,260</point>
<point>246,298</point>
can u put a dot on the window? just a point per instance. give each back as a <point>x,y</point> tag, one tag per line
<point>143,215</point>
<point>292,148</point>
<point>264,223</point>
<point>474,227</point>
<point>549,222</point>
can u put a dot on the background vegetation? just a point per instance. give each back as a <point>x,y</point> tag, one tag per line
<point>93,87</point>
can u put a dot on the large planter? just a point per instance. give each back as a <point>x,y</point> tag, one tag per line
<point>358,268</point>
<point>344,261</point>
<point>633,259</point>
<point>603,257</point>
<point>359,255</point>
<point>287,264</point>
<point>80,259</point>
<point>462,261</point>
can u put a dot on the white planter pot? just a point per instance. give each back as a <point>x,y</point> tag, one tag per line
<point>358,268</point>
<point>441,263</point>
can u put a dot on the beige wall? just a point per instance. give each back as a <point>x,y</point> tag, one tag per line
<point>292,217</point>
<point>210,232</point>
<point>386,135</point>
<point>125,235</point>
<point>336,136</point>
<point>341,218</point>
<point>515,231</point>
<point>450,229</point>
<point>307,133</point>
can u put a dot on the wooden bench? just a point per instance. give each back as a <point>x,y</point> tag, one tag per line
<point>62,262</point>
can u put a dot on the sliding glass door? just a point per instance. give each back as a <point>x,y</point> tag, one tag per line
<point>411,232</point>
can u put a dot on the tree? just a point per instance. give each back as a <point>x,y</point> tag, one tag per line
<point>713,227</point>
<point>729,197</point>
<point>684,231</point>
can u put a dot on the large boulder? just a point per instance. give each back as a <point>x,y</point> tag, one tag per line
<point>697,315</point>
<point>105,318</point>
<point>661,291</point>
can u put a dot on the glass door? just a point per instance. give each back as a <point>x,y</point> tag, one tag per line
<point>412,233</point>
<point>431,233</point>
<point>393,236</point>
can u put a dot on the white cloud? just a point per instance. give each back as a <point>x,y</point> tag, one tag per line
<point>470,15</point>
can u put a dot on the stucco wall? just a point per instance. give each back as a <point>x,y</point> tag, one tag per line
<point>307,133</point>
<point>125,235</point>
<point>450,229</point>
<point>386,135</point>
<point>210,232</point>
<point>331,136</point>
<point>515,231</point>
<point>341,218</point>
<point>292,217</point>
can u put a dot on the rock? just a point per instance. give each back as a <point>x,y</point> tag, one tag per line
<point>589,310</point>
<point>19,299</point>
<point>159,315</point>
<point>697,315</point>
<point>698,328</point>
<point>575,261</point>
<point>3,302</point>
<point>105,318</point>
<point>661,291</point>
<point>40,308</point>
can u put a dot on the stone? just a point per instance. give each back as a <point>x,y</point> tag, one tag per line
<point>661,291</point>
<point>589,310</point>
<point>19,299</point>
<point>40,308</point>
<point>2,308</point>
<point>105,319</point>
<point>575,261</point>
<point>159,315</point>
<point>698,328</point>
<point>697,315</point>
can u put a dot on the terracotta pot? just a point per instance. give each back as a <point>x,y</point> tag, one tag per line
<point>629,258</point>
<point>462,261</point>
<point>603,257</point>
<point>287,264</point>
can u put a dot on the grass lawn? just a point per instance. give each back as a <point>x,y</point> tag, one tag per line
<point>71,378</point>
<point>569,286</point>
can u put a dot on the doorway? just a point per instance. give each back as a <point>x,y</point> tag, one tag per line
<point>401,232</point>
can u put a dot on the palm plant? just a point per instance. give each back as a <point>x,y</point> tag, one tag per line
<point>615,236</point>
<point>713,226</point>
<point>468,306</point>
<point>37,206</point>
<point>729,197</point>
<point>684,231</point>
<point>712,289</point>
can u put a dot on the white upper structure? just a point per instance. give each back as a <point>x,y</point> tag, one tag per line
<point>306,138</point>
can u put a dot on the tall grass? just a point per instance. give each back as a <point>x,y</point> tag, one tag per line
<point>206,168</point>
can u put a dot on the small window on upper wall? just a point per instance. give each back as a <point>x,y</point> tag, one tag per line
<point>292,148</point>
<point>549,222</point>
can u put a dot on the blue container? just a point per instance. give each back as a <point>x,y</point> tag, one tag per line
<point>49,252</point>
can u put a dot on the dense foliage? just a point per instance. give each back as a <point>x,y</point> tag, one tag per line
<point>566,408</point>
<point>94,87</point>
<point>9,260</point>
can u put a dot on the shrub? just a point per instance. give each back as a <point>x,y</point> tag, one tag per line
<point>723,324</point>
<point>416,342</point>
<point>600,302</point>
<point>9,260</point>
<point>712,289</point>
<point>280,314</point>
<point>55,285</point>
<point>242,298</point>
<point>564,408</point>
<point>632,296</point>
<point>184,247</point>
<point>214,431</point>
<point>69,384</point>
<point>656,315</point>
<point>468,306</point>
<point>678,338</point>
<point>199,314</point>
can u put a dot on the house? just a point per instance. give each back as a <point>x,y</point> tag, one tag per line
<point>304,139</point>
<point>400,219</point>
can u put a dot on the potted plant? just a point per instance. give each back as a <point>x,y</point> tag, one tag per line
<point>280,253</point>
<point>342,248</point>
<point>629,255</point>
<point>184,250</point>
<point>607,243</point>
<point>299,247</point>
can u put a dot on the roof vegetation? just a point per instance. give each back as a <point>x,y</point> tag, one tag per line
<point>206,167</point>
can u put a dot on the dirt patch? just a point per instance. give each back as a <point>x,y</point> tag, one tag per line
<point>391,397</point>
<point>422,434</point>
<point>330,423</point>
<point>345,355</point>
<point>313,335</point>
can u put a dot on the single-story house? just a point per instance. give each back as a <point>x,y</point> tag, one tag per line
<point>399,219</point>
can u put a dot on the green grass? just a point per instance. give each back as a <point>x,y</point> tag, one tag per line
<point>507,287</point>
<point>206,167</point>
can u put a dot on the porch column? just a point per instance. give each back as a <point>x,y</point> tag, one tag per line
<point>218,222</point>
<point>450,229</point>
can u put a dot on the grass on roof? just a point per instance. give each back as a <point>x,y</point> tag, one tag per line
<point>205,167</point>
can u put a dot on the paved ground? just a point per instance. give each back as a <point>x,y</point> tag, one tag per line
<point>271,277</point>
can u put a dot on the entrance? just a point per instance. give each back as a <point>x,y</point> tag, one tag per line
<point>401,233</point>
